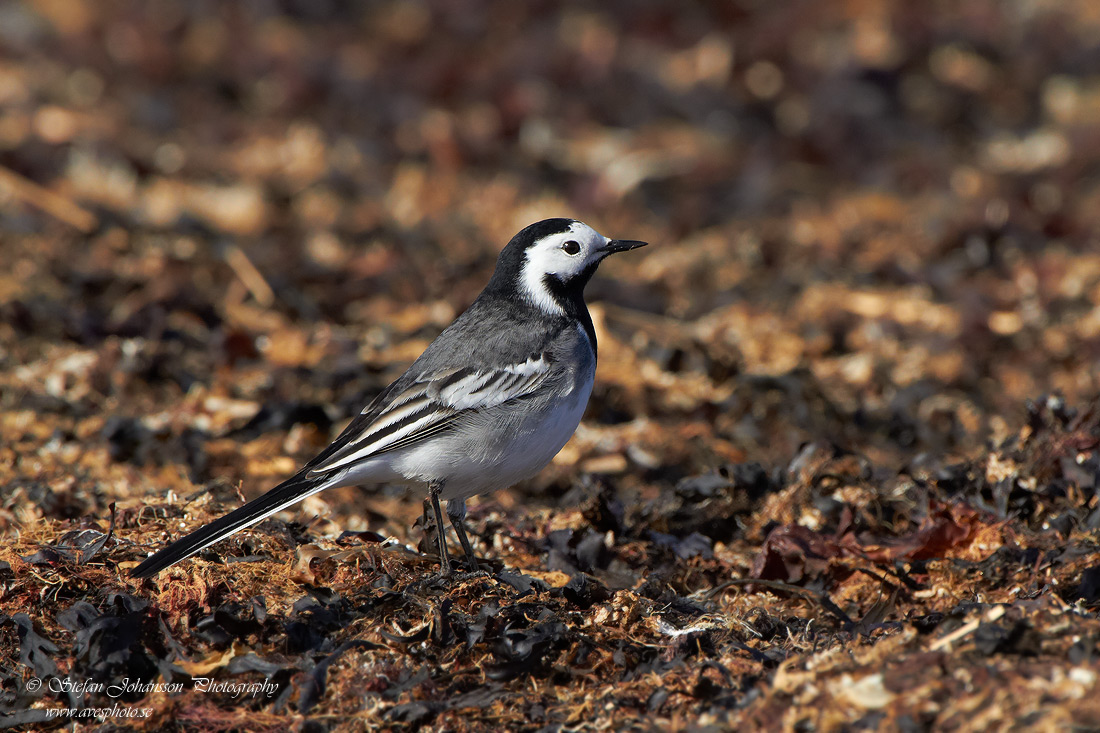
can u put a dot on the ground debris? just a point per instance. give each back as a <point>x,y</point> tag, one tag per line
<point>840,467</point>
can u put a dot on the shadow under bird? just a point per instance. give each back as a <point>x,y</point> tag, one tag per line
<point>489,403</point>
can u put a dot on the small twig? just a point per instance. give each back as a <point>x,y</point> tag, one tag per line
<point>969,627</point>
<point>252,278</point>
<point>43,198</point>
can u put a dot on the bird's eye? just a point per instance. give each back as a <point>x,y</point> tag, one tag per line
<point>571,247</point>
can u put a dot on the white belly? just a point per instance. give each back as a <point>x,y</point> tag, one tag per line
<point>512,449</point>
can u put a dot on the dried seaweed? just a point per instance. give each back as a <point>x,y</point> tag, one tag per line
<point>840,466</point>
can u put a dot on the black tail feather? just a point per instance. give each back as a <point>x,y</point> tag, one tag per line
<point>285,494</point>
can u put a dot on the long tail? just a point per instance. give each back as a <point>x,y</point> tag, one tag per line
<point>289,492</point>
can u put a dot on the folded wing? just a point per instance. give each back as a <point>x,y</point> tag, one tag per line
<point>427,407</point>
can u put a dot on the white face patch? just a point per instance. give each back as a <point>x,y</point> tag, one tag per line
<point>551,255</point>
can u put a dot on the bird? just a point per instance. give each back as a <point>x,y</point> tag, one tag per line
<point>488,404</point>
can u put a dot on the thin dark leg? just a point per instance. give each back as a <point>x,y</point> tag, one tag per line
<point>440,531</point>
<point>456,510</point>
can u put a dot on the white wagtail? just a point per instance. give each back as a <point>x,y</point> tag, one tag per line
<point>489,403</point>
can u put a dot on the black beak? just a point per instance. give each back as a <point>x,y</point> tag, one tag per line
<point>622,245</point>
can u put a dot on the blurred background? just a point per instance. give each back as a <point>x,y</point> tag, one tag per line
<point>223,226</point>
